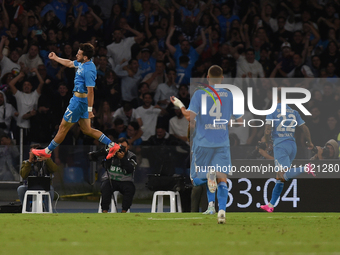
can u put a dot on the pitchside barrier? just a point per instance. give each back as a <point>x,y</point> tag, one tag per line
<point>250,183</point>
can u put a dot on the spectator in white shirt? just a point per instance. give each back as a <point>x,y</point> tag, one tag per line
<point>11,63</point>
<point>31,59</point>
<point>121,47</point>
<point>149,115</point>
<point>127,114</point>
<point>178,125</point>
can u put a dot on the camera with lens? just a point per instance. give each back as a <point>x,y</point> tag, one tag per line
<point>325,151</point>
<point>122,149</point>
<point>95,155</point>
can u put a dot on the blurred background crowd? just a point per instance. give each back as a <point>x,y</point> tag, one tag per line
<point>147,51</point>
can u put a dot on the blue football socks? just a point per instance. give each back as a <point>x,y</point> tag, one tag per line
<point>51,147</point>
<point>104,139</point>
<point>211,196</point>
<point>293,173</point>
<point>276,191</point>
<point>222,195</point>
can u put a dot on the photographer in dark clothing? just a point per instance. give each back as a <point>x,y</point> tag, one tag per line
<point>329,151</point>
<point>118,176</point>
<point>34,166</point>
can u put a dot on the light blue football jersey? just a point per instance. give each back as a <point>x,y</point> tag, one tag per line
<point>206,134</point>
<point>85,76</point>
<point>283,126</point>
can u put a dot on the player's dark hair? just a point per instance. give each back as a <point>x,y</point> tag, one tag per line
<point>88,49</point>
<point>215,71</point>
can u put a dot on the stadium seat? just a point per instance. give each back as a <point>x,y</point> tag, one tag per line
<point>113,208</point>
<point>158,196</point>
<point>37,201</point>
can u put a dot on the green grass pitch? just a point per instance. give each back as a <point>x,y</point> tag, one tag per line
<point>165,233</point>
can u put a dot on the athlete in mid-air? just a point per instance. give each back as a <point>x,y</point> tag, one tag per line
<point>211,142</point>
<point>80,106</point>
<point>282,132</point>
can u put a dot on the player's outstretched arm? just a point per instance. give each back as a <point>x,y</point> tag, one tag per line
<point>306,133</point>
<point>189,115</point>
<point>63,61</point>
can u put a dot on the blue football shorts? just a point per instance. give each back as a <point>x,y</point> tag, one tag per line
<point>284,154</point>
<point>204,158</point>
<point>77,109</point>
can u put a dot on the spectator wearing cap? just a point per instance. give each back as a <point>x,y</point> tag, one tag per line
<point>165,90</point>
<point>121,47</point>
<point>147,63</point>
<point>8,64</point>
<point>285,62</point>
<point>185,49</point>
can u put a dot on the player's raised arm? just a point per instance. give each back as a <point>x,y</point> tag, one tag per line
<point>63,61</point>
<point>189,115</point>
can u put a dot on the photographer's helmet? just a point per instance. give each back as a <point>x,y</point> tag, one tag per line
<point>335,146</point>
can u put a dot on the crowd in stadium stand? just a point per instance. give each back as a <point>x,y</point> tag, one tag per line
<point>147,51</point>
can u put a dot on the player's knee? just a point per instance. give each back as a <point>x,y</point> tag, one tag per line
<point>85,130</point>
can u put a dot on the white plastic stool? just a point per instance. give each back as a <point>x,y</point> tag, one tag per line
<point>37,201</point>
<point>113,208</point>
<point>173,196</point>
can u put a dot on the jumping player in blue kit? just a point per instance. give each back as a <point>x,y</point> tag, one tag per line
<point>80,106</point>
<point>281,128</point>
<point>211,150</point>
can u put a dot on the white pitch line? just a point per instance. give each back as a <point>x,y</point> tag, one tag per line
<point>193,218</point>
